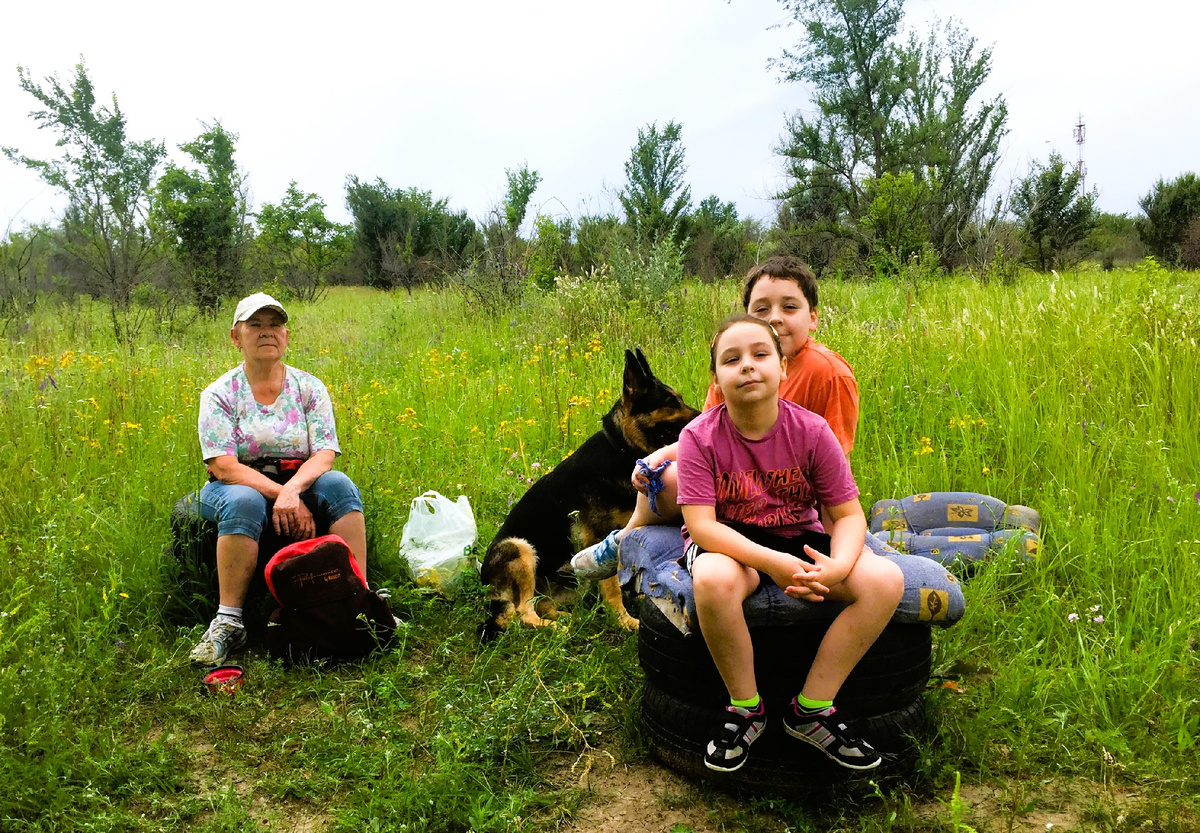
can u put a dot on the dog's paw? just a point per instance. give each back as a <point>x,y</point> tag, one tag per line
<point>628,622</point>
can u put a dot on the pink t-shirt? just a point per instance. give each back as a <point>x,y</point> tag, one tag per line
<point>776,482</point>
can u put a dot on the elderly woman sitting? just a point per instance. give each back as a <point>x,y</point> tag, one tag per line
<point>264,416</point>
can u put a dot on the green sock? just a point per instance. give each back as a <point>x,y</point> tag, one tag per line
<point>751,704</point>
<point>812,705</point>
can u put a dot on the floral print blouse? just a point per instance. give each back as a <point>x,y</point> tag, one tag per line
<point>297,423</point>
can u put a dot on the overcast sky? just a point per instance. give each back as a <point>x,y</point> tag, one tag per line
<point>445,96</point>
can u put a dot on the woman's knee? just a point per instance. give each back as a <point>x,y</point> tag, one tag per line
<point>336,495</point>
<point>237,510</point>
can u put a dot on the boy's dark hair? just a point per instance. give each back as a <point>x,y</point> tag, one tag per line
<point>782,267</point>
<point>739,319</point>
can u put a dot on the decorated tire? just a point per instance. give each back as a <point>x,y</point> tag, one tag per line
<point>1027,543</point>
<point>678,730</point>
<point>941,509</point>
<point>955,527</point>
<point>893,673</point>
<point>193,559</point>
<point>1022,517</point>
<point>888,514</point>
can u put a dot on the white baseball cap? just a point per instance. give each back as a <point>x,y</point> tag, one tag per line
<point>253,303</point>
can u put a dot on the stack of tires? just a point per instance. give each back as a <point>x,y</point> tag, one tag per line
<point>684,698</point>
<point>956,527</point>
<point>193,555</point>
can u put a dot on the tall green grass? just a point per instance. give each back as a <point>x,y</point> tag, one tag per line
<point>1077,395</point>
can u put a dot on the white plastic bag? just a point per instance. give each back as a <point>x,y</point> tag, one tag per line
<point>437,540</point>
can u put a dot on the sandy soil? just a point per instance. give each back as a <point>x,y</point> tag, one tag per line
<point>647,797</point>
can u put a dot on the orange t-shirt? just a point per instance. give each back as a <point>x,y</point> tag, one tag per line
<point>821,381</point>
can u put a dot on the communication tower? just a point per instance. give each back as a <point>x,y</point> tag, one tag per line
<point>1080,133</point>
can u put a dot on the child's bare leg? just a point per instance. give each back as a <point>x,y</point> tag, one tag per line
<point>873,590</point>
<point>668,509</point>
<point>720,585</point>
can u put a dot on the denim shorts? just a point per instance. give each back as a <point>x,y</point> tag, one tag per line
<point>240,510</point>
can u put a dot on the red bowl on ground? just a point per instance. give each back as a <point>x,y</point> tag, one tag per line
<point>224,679</point>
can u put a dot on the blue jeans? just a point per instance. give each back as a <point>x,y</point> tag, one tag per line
<point>240,510</point>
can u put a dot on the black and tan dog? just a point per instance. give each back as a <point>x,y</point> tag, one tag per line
<point>535,540</point>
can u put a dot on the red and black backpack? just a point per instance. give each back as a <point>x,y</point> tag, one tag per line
<point>325,610</point>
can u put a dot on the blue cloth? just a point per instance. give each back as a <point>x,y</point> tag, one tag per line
<point>650,567</point>
<point>240,510</point>
<point>654,483</point>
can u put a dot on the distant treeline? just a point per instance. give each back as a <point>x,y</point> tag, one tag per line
<point>890,173</point>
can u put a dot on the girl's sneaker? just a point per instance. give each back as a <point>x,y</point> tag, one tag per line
<point>827,733</point>
<point>742,727</point>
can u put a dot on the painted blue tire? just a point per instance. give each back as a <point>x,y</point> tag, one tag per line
<point>888,514</point>
<point>955,509</point>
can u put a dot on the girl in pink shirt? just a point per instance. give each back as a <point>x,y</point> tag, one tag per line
<point>751,475</point>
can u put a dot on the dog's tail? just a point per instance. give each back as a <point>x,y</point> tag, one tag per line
<point>509,570</point>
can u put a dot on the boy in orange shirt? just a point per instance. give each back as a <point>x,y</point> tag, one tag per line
<point>783,292</point>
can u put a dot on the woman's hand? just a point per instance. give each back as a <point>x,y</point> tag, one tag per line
<point>291,516</point>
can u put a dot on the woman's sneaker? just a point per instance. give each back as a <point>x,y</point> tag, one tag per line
<point>742,727</point>
<point>599,560</point>
<point>222,636</point>
<point>827,733</point>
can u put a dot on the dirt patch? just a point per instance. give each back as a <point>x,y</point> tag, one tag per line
<point>640,796</point>
<point>1040,805</point>
<point>645,796</point>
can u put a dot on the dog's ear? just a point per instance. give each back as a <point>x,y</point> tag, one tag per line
<point>645,365</point>
<point>635,374</point>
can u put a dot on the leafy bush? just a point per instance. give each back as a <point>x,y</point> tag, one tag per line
<point>1171,208</point>
<point>404,236</point>
<point>895,220</point>
<point>649,274</point>
<point>298,245</point>
<point>718,240</point>
<point>1190,253</point>
<point>544,258</point>
<point>1055,217</point>
<point>1115,238</point>
<point>598,237</point>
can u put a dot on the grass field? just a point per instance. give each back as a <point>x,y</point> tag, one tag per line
<point>1077,395</point>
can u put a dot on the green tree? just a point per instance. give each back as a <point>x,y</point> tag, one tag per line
<point>506,255</point>
<point>202,214</point>
<point>1170,208</point>
<point>403,235</point>
<point>107,179</point>
<point>597,238</point>
<point>1055,217</point>
<point>896,219</point>
<point>1115,238</point>
<point>299,244</point>
<point>655,197</point>
<point>716,239</point>
<point>887,106</point>
<point>18,274</point>
<point>545,252</point>
<point>521,185</point>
